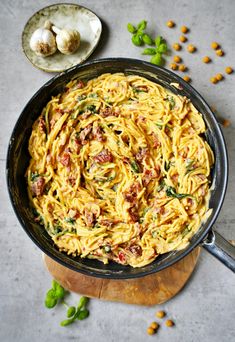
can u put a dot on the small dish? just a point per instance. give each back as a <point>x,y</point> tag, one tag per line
<point>69,16</point>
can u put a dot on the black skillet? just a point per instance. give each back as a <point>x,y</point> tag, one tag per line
<point>18,158</point>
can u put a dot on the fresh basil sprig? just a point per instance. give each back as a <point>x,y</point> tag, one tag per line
<point>157,52</point>
<point>57,293</point>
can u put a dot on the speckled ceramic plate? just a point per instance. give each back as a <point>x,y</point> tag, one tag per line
<point>69,16</point>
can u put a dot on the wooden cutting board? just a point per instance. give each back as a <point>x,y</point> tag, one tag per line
<point>150,290</point>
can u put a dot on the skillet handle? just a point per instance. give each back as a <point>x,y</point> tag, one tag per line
<point>220,248</point>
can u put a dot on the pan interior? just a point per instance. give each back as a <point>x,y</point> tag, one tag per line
<point>18,159</point>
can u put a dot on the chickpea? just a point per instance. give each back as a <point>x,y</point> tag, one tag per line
<point>176,46</point>
<point>170,24</point>
<point>170,323</point>
<point>187,78</point>
<point>219,77</point>
<point>150,331</point>
<point>213,80</point>
<point>154,325</point>
<point>206,59</point>
<point>226,123</point>
<point>182,67</point>
<point>177,59</point>
<point>173,66</point>
<point>214,45</point>
<point>183,39</point>
<point>161,314</point>
<point>219,53</point>
<point>184,29</point>
<point>228,70</point>
<point>191,48</point>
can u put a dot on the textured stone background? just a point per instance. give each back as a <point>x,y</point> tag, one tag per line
<point>205,309</point>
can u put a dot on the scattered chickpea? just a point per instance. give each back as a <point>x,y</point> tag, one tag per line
<point>213,80</point>
<point>177,59</point>
<point>214,45</point>
<point>228,70</point>
<point>176,46</point>
<point>154,325</point>
<point>183,39</point>
<point>160,314</point>
<point>191,48</point>
<point>226,123</point>
<point>219,77</point>
<point>206,59</point>
<point>173,66</point>
<point>151,331</point>
<point>170,323</point>
<point>187,78</point>
<point>170,24</point>
<point>182,67</point>
<point>219,52</point>
<point>184,29</point>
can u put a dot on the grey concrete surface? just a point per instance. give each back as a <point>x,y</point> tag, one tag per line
<point>205,309</point>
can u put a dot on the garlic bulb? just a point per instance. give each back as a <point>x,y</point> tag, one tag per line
<point>68,41</point>
<point>43,41</point>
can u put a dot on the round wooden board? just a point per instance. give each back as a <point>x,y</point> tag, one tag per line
<point>150,290</point>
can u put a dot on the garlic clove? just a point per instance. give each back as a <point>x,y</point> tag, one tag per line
<point>43,41</point>
<point>68,41</point>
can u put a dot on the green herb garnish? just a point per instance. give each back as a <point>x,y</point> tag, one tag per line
<point>81,97</point>
<point>185,231</point>
<point>157,59</point>
<point>147,39</point>
<point>135,166</point>
<point>56,294</point>
<point>171,101</point>
<point>189,165</point>
<point>139,90</point>
<point>70,220</point>
<point>93,95</point>
<point>149,51</point>
<point>34,176</point>
<point>83,314</point>
<point>131,28</point>
<point>53,295</point>
<point>71,311</point>
<point>91,108</point>
<point>161,185</point>
<point>80,313</point>
<point>142,25</point>
<point>158,41</point>
<point>137,39</point>
<point>167,165</point>
<point>171,192</point>
<point>159,124</point>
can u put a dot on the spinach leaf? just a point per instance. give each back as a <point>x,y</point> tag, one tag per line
<point>81,97</point>
<point>167,165</point>
<point>171,192</point>
<point>135,167</point>
<point>70,220</point>
<point>161,185</point>
<point>34,176</point>
<point>185,231</point>
<point>91,108</point>
<point>171,101</point>
<point>189,166</point>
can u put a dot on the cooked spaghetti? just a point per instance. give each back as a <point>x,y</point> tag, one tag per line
<point>119,169</point>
